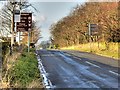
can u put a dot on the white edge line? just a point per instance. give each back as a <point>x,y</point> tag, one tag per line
<point>92,64</point>
<point>47,83</point>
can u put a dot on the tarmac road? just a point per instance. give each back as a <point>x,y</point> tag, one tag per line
<point>68,71</point>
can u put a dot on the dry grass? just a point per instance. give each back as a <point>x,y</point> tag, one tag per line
<point>100,49</point>
<point>9,63</point>
<point>35,84</point>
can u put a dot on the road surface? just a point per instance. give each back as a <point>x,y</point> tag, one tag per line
<point>68,71</point>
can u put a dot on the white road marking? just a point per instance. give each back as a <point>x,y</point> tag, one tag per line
<point>67,54</point>
<point>47,83</point>
<point>47,55</point>
<point>114,73</point>
<point>78,58</point>
<point>92,64</point>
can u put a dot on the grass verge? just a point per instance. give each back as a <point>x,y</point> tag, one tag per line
<point>25,72</point>
<point>103,49</point>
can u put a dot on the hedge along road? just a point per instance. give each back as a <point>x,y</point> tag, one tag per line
<point>68,71</point>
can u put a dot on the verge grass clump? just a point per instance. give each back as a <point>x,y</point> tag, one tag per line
<point>25,70</point>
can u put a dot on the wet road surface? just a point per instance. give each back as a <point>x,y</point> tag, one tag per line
<point>67,71</point>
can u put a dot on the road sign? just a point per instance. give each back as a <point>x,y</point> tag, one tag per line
<point>93,25</point>
<point>93,29</point>
<point>25,23</point>
<point>16,13</point>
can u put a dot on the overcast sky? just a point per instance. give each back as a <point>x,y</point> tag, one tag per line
<point>50,12</point>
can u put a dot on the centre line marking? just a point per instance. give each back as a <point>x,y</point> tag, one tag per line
<point>92,64</point>
<point>78,58</point>
<point>67,54</point>
<point>114,73</point>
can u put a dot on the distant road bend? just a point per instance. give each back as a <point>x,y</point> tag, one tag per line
<point>68,71</point>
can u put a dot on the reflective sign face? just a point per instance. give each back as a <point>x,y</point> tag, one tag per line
<point>25,23</point>
<point>94,29</point>
<point>93,25</point>
<point>16,18</point>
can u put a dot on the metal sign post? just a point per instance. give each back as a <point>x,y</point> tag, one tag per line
<point>93,30</point>
<point>19,38</point>
<point>15,12</point>
<point>25,25</point>
<point>89,29</point>
<point>28,41</point>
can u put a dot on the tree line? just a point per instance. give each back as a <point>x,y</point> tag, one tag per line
<point>73,29</point>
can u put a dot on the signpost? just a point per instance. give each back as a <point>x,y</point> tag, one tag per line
<point>25,25</point>
<point>93,30</point>
<point>17,14</point>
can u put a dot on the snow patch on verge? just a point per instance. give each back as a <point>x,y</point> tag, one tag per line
<point>46,82</point>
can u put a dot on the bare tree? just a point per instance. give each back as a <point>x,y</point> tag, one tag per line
<point>7,12</point>
<point>73,29</point>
